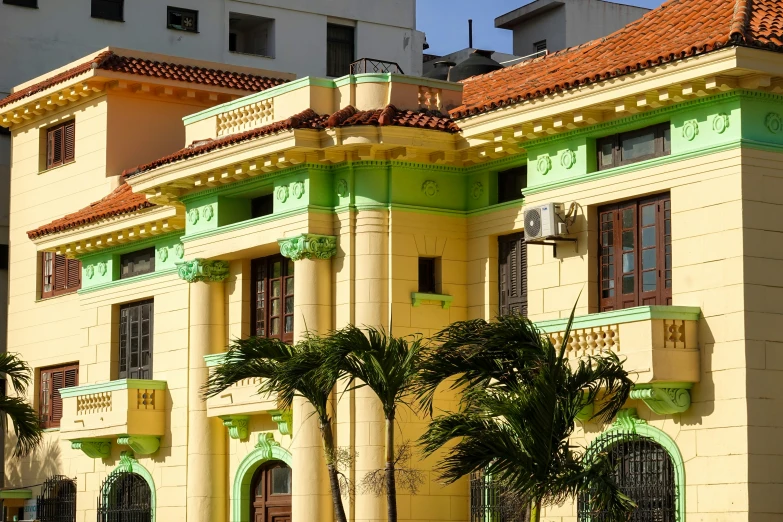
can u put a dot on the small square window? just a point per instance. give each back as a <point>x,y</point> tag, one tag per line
<point>250,34</point>
<point>137,263</point>
<point>262,206</point>
<point>540,46</point>
<point>60,144</point>
<point>108,9</point>
<point>511,183</point>
<point>23,3</point>
<point>182,19</point>
<point>427,275</point>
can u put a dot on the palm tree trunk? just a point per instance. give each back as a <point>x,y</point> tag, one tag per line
<point>535,512</point>
<point>391,481</point>
<point>331,466</point>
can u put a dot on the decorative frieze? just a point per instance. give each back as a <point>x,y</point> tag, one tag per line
<point>203,270</point>
<point>308,246</point>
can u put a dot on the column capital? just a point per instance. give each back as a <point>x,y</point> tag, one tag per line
<point>203,270</point>
<point>308,246</point>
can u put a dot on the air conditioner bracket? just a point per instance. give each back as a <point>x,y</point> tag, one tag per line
<point>552,241</point>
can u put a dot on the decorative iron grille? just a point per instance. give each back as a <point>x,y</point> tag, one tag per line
<point>644,471</point>
<point>125,497</point>
<point>57,501</point>
<point>490,502</point>
<point>368,65</point>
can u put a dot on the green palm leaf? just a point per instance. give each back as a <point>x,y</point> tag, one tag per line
<point>15,410</point>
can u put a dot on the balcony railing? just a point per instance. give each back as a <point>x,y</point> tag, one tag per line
<point>369,65</point>
<point>128,412</point>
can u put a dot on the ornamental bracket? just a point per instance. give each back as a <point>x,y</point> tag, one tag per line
<point>94,448</point>
<point>284,420</point>
<point>237,426</point>
<point>308,246</point>
<point>203,270</point>
<point>664,398</point>
<point>140,444</point>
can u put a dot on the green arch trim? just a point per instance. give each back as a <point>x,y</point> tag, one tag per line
<point>266,450</point>
<point>627,423</point>
<point>130,464</point>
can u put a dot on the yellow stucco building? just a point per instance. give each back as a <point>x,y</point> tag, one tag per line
<point>638,176</point>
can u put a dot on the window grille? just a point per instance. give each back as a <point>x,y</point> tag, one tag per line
<point>57,501</point>
<point>125,497</point>
<point>490,502</point>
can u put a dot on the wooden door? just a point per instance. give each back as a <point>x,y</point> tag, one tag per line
<point>271,493</point>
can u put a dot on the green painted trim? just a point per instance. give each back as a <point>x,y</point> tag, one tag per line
<point>93,448</point>
<point>18,494</point>
<point>629,423</point>
<point>140,444</point>
<point>128,463</point>
<point>664,398</point>
<point>627,315</point>
<point>266,449</point>
<point>203,270</point>
<point>308,246</point>
<point>133,245</point>
<point>121,384</point>
<point>408,80</point>
<point>345,80</point>
<point>245,224</point>
<point>215,359</point>
<point>122,282</point>
<point>284,420</point>
<point>237,426</point>
<point>418,297</point>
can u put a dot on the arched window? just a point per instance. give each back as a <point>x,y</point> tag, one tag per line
<point>57,501</point>
<point>125,497</point>
<point>643,469</point>
<point>270,493</point>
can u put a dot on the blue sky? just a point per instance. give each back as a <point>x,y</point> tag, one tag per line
<point>446,23</point>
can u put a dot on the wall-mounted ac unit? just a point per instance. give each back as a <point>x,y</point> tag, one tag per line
<point>544,221</point>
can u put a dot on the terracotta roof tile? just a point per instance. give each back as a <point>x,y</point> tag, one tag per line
<point>121,201</point>
<point>109,61</point>
<point>676,30</point>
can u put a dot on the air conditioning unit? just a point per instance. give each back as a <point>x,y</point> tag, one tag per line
<point>544,221</point>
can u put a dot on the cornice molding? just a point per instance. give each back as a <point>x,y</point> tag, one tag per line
<point>203,271</point>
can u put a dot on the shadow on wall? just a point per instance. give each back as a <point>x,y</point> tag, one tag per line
<point>34,469</point>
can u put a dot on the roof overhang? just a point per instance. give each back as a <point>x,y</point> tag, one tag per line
<point>526,12</point>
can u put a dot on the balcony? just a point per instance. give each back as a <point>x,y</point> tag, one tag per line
<point>660,346</point>
<point>128,412</point>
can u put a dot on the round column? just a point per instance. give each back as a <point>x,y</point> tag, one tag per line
<point>206,488</point>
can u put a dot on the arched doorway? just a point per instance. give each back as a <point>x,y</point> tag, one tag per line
<point>270,496</point>
<point>57,501</point>
<point>125,497</point>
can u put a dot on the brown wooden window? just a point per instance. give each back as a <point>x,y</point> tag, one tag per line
<point>137,263</point>
<point>427,275</point>
<point>108,9</point>
<point>136,323</point>
<point>60,143</point>
<point>630,147</point>
<point>635,253</point>
<point>22,3</point>
<point>50,404</point>
<point>511,183</point>
<point>272,311</point>
<point>340,43</point>
<point>59,275</point>
<point>512,274</point>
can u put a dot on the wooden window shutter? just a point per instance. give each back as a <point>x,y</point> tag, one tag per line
<point>59,275</point>
<point>52,381</point>
<point>512,277</point>
<point>69,140</point>
<point>74,280</point>
<point>60,272</point>
<point>60,144</point>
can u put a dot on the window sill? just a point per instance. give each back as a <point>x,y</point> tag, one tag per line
<point>252,54</point>
<point>50,430</point>
<point>50,169</point>
<point>107,19</point>
<point>182,30</point>
<point>50,297</point>
<point>419,297</point>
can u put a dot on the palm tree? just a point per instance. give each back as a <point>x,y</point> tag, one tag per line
<point>519,399</point>
<point>289,371</point>
<point>21,414</point>
<point>388,366</point>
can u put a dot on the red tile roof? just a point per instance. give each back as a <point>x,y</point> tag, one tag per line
<point>121,201</point>
<point>110,61</point>
<point>309,119</point>
<point>676,30</point>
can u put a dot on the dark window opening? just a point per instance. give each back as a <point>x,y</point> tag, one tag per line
<point>137,263</point>
<point>511,183</point>
<point>59,275</point>
<point>57,501</point>
<point>50,404</point>
<point>427,275</point>
<point>540,46</point>
<point>108,10</point>
<point>135,353</point>
<point>250,34</point>
<point>340,49</point>
<point>262,206</point>
<point>512,274</point>
<point>182,19</point>
<point>60,144</point>
<point>125,497</point>
<point>635,253</point>
<point>272,310</point>
<point>630,147</point>
<point>3,257</point>
<point>22,3</point>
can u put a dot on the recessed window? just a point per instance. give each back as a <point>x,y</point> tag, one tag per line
<point>135,357</point>
<point>340,49</point>
<point>3,257</point>
<point>427,275</point>
<point>59,275</point>
<point>60,144</point>
<point>22,3</point>
<point>182,19</point>
<point>511,183</point>
<point>540,46</point>
<point>512,274</point>
<point>272,311</point>
<point>250,34</point>
<point>630,147</point>
<point>108,9</point>
<point>50,404</point>
<point>262,206</point>
<point>137,263</point>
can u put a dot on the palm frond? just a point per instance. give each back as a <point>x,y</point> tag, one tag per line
<point>16,371</point>
<point>24,420</point>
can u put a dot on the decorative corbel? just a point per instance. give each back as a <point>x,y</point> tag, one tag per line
<point>266,442</point>
<point>664,398</point>
<point>284,420</point>
<point>140,444</point>
<point>627,420</point>
<point>94,448</point>
<point>237,426</point>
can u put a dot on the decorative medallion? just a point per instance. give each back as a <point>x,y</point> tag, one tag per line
<point>477,190</point>
<point>544,164</point>
<point>203,270</point>
<point>163,254</point>
<point>297,189</point>
<point>101,268</point>
<point>429,188</point>
<point>281,194</point>
<point>179,250</point>
<point>308,246</point>
<point>568,158</point>
<point>773,122</point>
<point>720,123</point>
<point>208,212</point>
<point>690,130</point>
<point>193,216</point>
<point>342,188</point>
<point>89,272</point>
